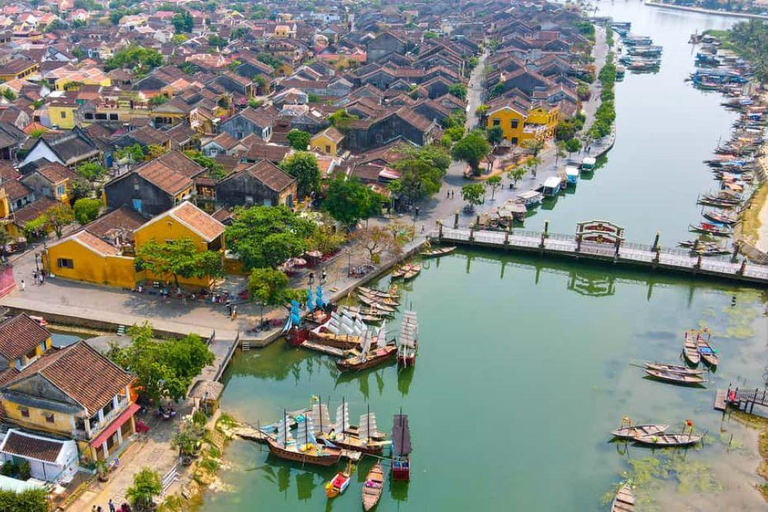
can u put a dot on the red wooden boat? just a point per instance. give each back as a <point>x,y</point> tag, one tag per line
<point>401,448</point>
<point>369,356</point>
<point>301,449</point>
<point>408,344</point>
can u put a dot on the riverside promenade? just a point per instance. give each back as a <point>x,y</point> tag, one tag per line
<point>650,257</point>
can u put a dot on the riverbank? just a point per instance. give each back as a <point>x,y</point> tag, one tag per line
<point>701,10</point>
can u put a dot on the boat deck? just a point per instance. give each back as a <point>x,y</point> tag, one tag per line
<point>331,351</point>
<point>629,254</point>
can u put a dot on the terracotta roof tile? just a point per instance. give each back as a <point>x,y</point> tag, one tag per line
<point>20,335</point>
<point>270,175</point>
<point>31,446</point>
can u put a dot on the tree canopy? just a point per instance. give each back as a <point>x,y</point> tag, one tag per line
<point>471,149</point>
<point>215,169</point>
<point>146,486</point>
<point>302,165</point>
<point>421,171</point>
<point>86,209</point>
<point>142,60</point>
<point>473,193</point>
<point>267,286</point>
<point>58,216</point>
<point>178,258</point>
<point>28,500</point>
<point>298,139</point>
<point>349,200</point>
<point>91,171</point>
<point>266,236</point>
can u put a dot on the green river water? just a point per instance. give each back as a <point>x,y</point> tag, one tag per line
<point>524,365</point>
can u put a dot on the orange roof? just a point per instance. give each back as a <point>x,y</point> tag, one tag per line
<point>95,244</point>
<point>195,219</point>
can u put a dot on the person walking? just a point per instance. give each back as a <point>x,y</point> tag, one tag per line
<point>229,307</point>
<point>324,276</point>
<point>111,506</point>
<point>234,313</point>
<point>42,277</point>
<point>23,285</point>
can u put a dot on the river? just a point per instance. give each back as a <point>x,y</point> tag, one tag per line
<point>524,366</point>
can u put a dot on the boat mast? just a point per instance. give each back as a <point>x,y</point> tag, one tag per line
<point>368,422</point>
<point>285,429</point>
<point>320,411</point>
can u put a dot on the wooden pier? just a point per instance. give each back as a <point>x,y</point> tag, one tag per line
<point>605,247</point>
<point>744,400</point>
<point>331,351</point>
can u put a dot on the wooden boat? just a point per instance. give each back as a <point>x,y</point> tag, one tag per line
<point>379,300</point>
<point>373,292</point>
<point>342,341</point>
<point>369,356</point>
<point>373,487</point>
<point>719,217</point>
<point>408,343</point>
<point>401,448</point>
<point>371,302</point>
<point>675,377</point>
<point>413,272</point>
<point>708,354</point>
<point>401,271</point>
<point>634,431</point>
<point>691,348</point>
<point>371,310</point>
<point>301,449</point>
<point>365,439</point>
<point>434,253</point>
<point>624,500</point>
<point>339,483</point>
<point>711,229</point>
<point>674,368</point>
<point>664,439</point>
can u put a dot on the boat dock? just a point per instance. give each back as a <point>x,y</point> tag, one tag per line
<point>253,434</point>
<point>603,242</point>
<point>741,399</point>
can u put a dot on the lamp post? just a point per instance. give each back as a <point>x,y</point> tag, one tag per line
<point>37,262</point>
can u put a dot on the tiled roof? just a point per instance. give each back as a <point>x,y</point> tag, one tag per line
<point>194,218</point>
<point>180,163</point>
<point>33,210</point>
<point>95,244</point>
<point>56,173</point>
<point>31,446</point>
<point>20,335</point>
<point>270,175</point>
<point>82,373</point>
<point>122,220</point>
<point>15,189</point>
<point>168,178</point>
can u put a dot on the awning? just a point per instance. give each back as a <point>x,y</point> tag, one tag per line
<point>116,424</point>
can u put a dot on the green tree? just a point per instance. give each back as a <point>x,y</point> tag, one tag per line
<point>217,41</point>
<point>471,149</point>
<point>163,368</point>
<point>533,164</point>
<point>254,103</point>
<point>146,487</point>
<point>58,216</point>
<point>266,236</point>
<point>516,174</point>
<point>9,94</point>
<point>421,171</point>
<point>215,169</point>
<point>481,110</point>
<point>178,258</point>
<point>183,22</point>
<point>473,194</point>
<point>572,146</point>
<point>302,165</point>
<point>298,139</point>
<point>29,500</point>
<point>91,171</point>
<point>458,90</point>
<point>560,151</point>
<point>141,59</point>
<point>349,200</point>
<point>133,154</point>
<point>377,240</point>
<point>267,287</point>
<point>493,183</point>
<point>341,119</point>
<point>87,209</point>
<point>534,146</point>
<point>495,135</point>
<point>326,239</point>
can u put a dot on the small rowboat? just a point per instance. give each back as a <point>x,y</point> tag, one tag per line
<point>720,217</point>
<point>624,500</point>
<point>707,352</point>
<point>381,300</point>
<point>413,272</point>
<point>711,229</point>
<point>373,487</point>
<point>664,439</point>
<point>371,302</point>
<point>401,271</point>
<point>675,377</point>
<point>339,483</point>
<point>635,431</point>
<point>434,253</point>
<point>373,292</point>
<point>674,368</point>
<point>691,349</point>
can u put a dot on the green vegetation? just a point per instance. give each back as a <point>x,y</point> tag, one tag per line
<point>146,486</point>
<point>421,172</point>
<point>183,22</point>
<point>341,118</point>
<point>58,216</point>
<point>298,139</point>
<point>349,201</point>
<point>267,287</point>
<point>91,171</point>
<point>164,368</point>
<point>458,90</point>
<point>86,209</point>
<point>215,169</point>
<point>606,112</point>
<point>473,193</point>
<point>303,166</point>
<point>609,36</point>
<point>750,40</point>
<point>377,240</point>
<point>178,258</point>
<point>30,500</point>
<point>472,149</point>
<point>266,236</point>
<point>587,29</point>
<point>141,59</point>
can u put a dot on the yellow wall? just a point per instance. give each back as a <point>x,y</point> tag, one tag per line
<point>62,424</point>
<point>505,117</point>
<point>5,208</point>
<point>62,82</point>
<point>62,116</point>
<point>320,142</point>
<point>90,266</point>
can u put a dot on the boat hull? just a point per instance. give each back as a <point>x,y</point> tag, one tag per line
<point>330,457</point>
<point>347,366</point>
<point>376,449</point>
<point>401,470</point>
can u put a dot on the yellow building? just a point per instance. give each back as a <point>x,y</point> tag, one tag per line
<point>520,123</point>
<point>22,341</point>
<point>62,112</point>
<point>327,141</point>
<point>103,253</point>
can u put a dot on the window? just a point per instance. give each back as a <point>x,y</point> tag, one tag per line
<point>514,140</point>
<point>24,412</point>
<point>61,190</point>
<point>63,115</point>
<point>49,418</point>
<point>137,205</point>
<point>496,122</point>
<point>327,149</point>
<point>515,123</point>
<point>89,116</point>
<point>65,263</point>
<point>101,117</point>
<point>113,117</point>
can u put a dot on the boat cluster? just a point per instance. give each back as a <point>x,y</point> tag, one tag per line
<point>637,53</point>
<point>734,164</point>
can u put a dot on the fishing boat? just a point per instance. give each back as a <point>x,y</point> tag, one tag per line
<point>362,440</point>
<point>303,448</point>
<point>373,292</point>
<point>720,217</point>
<point>691,347</point>
<point>675,368</point>
<point>344,330</point>
<point>408,343</point>
<point>373,302</point>
<point>373,487</point>
<point>708,354</point>
<point>441,251</point>
<point>624,500</point>
<point>675,377</point>
<point>371,310</point>
<point>627,430</point>
<point>404,269</point>
<point>379,300</point>
<point>412,272</point>
<point>711,229</point>
<point>369,356</point>
<point>339,483</point>
<point>664,439</point>
<point>401,448</point>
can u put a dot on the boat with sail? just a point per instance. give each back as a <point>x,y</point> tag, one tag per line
<point>362,440</point>
<point>408,342</point>
<point>373,486</point>
<point>369,355</point>
<point>344,330</point>
<point>401,448</point>
<point>303,448</point>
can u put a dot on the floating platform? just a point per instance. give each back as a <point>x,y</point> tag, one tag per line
<point>720,404</point>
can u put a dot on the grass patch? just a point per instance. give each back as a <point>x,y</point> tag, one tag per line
<point>750,218</point>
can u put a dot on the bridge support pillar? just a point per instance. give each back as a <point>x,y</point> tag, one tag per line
<point>736,251</point>
<point>456,220</point>
<point>541,244</point>
<point>546,227</point>
<point>506,237</point>
<point>440,230</point>
<point>656,241</point>
<point>697,266</point>
<point>742,268</point>
<point>657,256</point>
<point>617,247</point>
<point>472,234</point>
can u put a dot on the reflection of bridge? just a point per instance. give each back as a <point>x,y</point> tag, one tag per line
<point>654,258</point>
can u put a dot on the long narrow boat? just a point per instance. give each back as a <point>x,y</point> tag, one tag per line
<point>664,439</point>
<point>711,229</point>
<point>690,347</point>
<point>403,270</point>
<point>624,500</point>
<point>380,300</point>
<point>720,217</point>
<point>301,449</point>
<point>369,356</point>
<point>413,272</point>
<point>674,368</point>
<point>373,487</point>
<point>635,431</point>
<point>675,378</point>
<point>434,253</point>
<point>708,354</point>
<point>371,302</point>
<point>373,292</point>
<point>401,448</point>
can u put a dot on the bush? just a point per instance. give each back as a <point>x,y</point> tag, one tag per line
<point>24,472</point>
<point>86,209</point>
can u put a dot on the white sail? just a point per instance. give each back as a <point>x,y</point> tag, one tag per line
<point>366,343</point>
<point>381,336</point>
<point>342,418</point>
<point>409,330</point>
<point>305,431</point>
<point>321,418</point>
<point>367,427</point>
<point>283,436</point>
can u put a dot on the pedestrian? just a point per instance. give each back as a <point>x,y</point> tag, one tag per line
<point>234,312</point>
<point>417,211</point>
<point>311,278</point>
<point>229,307</point>
<point>448,195</point>
<point>325,276</point>
<point>111,506</point>
<point>93,508</point>
<point>23,285</point>
<point>99,509</point>
<point>42,277</point>
<point>34,276</point>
